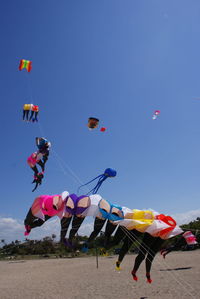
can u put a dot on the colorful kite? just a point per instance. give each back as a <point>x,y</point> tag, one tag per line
<point>39,157</point>
<point>25,64</point>
<point>190,238</point>
<point>108,173</point>
<point>34,112</point>
<point>152,227</point>
<point>75,206</point>
<point>43,208</point>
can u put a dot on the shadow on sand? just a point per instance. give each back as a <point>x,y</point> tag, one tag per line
<point>176,269</point>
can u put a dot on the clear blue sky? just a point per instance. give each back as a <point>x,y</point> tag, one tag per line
<point>117,61</point>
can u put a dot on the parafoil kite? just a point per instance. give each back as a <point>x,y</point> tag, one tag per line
<point>157,225</point>
<point>153,226</point>
<point>25,64</point>
<point>156,114</point>
<point>74,212</point>
<point>43,208</point>
<point>93,123</point>
<point>39,157</point>
<point>34,112</point>
<point>186,238</point>
<point>68,207</point>
<point>190,238</point>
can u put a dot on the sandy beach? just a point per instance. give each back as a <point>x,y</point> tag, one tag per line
<point>178,276</point>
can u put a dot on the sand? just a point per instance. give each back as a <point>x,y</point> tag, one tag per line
<point>178,276</point>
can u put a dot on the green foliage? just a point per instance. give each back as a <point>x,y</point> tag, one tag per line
<point>48,247</point>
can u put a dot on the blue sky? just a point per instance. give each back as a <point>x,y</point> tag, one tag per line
<point>114,60</point>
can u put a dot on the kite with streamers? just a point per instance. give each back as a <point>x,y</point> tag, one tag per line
<point>108,173</point>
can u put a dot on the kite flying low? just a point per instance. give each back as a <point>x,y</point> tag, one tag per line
<point>148,226</point>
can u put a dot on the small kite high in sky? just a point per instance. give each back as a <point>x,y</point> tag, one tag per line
<point>93,123</point>
<point>102,129</point>
<point>156,114</point>
<point>34,112</point>
<point>25,64</point>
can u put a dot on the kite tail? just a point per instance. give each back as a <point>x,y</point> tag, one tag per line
<point>99,183</point>
<point>108,173</point>
<point>99,176</point>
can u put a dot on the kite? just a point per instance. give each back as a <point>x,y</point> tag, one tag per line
<point>25,64</point>
<point>74,208</point>
<point>157,225</point>
<point>39,157</point>
<point>42,143</point>
<point>187,237</point>
<point>43,208</point>
<point>108,173</point>
<point>103,129</point>
<point>30,107</point>
<point>156,228</point>
<point>34,110</point>
<point>110,211</point>
<point>26,109</point>
<point>151,227</point>
<point>93,123</point>
<point>190,238</point>
<point>156,114</point>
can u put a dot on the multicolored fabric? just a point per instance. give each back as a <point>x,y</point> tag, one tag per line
<point>190,238</point>
<point>157,225</point>
<point>25,64</point>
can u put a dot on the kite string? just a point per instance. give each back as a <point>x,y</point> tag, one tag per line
<point>66,166</point>
<point>62,164</point>
<point>139,245</point>
<point>30,86</point>
<point>135,239</point>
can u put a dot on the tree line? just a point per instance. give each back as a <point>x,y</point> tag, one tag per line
<point>48,246</point>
